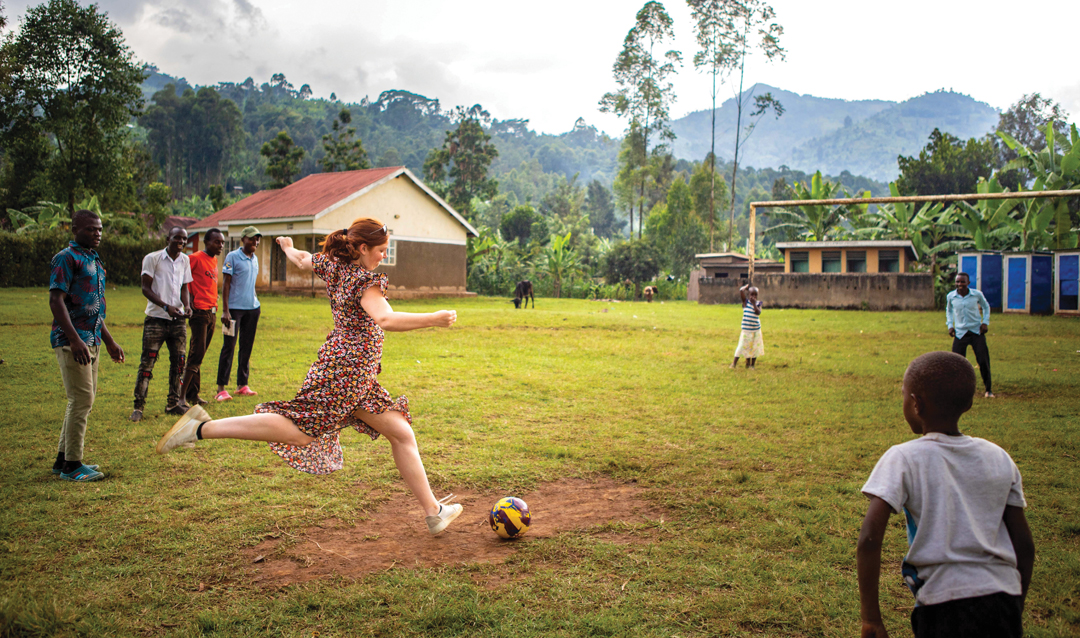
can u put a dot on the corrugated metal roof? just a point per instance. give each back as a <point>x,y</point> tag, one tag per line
<point>313,196</point>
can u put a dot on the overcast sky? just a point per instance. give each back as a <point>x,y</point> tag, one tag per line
<point>551,62</point>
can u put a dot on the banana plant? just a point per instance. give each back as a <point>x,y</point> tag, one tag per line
<point>988,223</point>
<point>1046,223</point>
<point>817,222</point>
<point>44,216</point>
<point>561,261</point>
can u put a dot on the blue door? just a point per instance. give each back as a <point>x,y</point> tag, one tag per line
<point>1042,285</point>
<point>990,280</point>
<point>970,265</point>
<point>1016,295</point>
<point>1069,282</point>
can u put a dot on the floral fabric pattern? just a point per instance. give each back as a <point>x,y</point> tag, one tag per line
<point>343,376</point>
<point>751,345</point>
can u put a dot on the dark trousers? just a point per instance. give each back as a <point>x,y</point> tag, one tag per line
<point>992,616</point>
<point>247,322</point>
<point>172,333</point>
<point>201,324</point>
<point>982,355</point>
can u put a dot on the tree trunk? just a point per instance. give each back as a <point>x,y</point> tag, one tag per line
<point>738,132</point>
<point>712,170</point>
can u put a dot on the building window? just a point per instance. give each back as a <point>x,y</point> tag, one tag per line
<point>830,261</point>
<point>888,261</point>
<point>800,261</point>
<point>391,254</point>
<point>856,261</point>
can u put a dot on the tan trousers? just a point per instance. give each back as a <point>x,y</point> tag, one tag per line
<point>80,383</point>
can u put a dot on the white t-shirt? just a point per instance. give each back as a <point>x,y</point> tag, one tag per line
<point>953,491</point>
<point>169,275</point>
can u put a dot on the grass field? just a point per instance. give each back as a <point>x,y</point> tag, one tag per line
<point>758,474</point>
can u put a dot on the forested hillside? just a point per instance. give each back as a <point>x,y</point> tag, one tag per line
<point>863,137</point>
<point>401,128</point>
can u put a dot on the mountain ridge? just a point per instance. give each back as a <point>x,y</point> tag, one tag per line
<point>832,135</point>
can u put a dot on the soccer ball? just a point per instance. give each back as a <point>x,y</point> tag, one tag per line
<point>510,517</point>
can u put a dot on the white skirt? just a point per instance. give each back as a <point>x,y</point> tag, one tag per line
<point>751,345</point>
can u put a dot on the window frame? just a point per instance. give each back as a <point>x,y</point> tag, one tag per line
<point>802,257</point>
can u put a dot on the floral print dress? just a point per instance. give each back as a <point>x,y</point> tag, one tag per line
<point>343,377</point>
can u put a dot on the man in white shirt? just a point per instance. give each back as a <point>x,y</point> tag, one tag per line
<point>166,274</point>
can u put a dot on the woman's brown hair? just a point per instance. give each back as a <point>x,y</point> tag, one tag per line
<point>344,245</point>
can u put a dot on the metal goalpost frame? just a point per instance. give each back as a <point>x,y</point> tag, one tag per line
<point>885,200</point>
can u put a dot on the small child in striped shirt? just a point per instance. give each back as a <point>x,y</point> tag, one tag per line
<point>750,344</point>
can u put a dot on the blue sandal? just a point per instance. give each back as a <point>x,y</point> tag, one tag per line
<point>57,470</point>
<point>83,474</point>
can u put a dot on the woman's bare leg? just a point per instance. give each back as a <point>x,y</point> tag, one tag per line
<point>395,428</point>
<point>256,427</point>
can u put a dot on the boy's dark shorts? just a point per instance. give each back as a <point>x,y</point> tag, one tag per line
<point>992,616</point>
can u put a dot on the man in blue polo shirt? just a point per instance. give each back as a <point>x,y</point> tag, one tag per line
<point>240,312</point>
<point>967,315</point>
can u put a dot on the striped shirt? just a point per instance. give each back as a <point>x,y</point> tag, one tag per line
<point>750,319</point>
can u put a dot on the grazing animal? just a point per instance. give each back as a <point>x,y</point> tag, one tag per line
<point>650,292</point>
<point>523,292</point>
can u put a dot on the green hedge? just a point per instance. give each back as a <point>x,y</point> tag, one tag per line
<point>25,259</point>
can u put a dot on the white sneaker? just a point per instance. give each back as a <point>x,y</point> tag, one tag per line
<point>183,433</point>
<point>447,513</point>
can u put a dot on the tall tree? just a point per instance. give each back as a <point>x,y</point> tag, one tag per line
<point>676,230</point>
<point>343,153</point>
<point>601,209</point>
<point>283,159</point>
<point>947,165</point>
<point>715,56</point>
<point>645,94</point>
<point>740,26</point>
<point>72,80</point>
<point>465,156</point>
<point>708,191</point>
<point>195,138</point>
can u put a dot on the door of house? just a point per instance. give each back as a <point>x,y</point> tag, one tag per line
<point>1067,283</point>
<point>1016,283</point>
<point>1041,297</point>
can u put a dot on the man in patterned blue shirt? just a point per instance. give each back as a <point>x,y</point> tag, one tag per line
<point>77,301</point>
<point>967,315</point>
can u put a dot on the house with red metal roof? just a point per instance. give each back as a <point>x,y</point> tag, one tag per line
<point>427,253</point>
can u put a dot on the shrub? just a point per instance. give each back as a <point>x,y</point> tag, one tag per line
<point>25,259</point>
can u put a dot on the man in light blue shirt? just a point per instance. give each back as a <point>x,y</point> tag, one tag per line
<point>967,315</point>
<point>240,313</point>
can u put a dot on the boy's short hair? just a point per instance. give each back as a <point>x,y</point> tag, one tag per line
<point>82,216</point>
<point>945,381</point>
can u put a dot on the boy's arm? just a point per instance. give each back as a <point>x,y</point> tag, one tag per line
<point>868,561</point>
<point>1023,545</point>
<point>225,316</point>
<point>742,293</point>
<point>984,305</point>
<point>948,316</point>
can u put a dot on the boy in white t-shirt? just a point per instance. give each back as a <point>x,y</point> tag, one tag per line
<point>970,550</point>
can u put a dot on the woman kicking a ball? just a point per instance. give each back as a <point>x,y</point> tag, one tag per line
<point>341,388</point>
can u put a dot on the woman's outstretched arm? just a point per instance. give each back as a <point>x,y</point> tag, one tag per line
<point>376,305</point>
<point>300,258</point>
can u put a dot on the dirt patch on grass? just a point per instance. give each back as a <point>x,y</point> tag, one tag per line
<point>397,537</point>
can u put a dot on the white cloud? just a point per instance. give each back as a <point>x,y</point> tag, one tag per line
<point>550,63</point>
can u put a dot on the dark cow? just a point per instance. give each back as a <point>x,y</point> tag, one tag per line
<point>650,292</point>
<point>523,292</point>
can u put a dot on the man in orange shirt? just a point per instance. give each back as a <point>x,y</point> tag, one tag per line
<point>204,298</point>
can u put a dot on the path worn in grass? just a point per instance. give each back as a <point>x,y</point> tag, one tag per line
<point>755,475</point>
